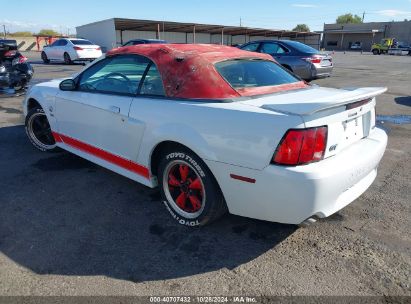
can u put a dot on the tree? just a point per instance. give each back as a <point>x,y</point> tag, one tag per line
<point>301,28</point>
<point>348,18</point>
<point>21,34</point>
<point>48,32</point>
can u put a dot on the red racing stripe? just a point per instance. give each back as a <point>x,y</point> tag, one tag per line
<point>107,156</point>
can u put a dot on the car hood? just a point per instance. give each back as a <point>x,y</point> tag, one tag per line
<point>313,99</point>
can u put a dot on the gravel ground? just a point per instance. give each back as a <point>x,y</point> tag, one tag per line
<point>69,227</point>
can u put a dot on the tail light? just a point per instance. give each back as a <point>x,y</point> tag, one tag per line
<point>301,146</point>
<point>77,48</point>
<point>10,54</point>
<point>20,59</point>
<point>313,59</point>
<point>98,49</point>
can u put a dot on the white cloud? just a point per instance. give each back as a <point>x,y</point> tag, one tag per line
<point>16,25</point>
<point>394,13</point>
<point>305,5</point>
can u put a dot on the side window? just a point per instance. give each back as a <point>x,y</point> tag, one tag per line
<point>55,43</point>
<point>63,42</point>
<point>152,84</point>
<point>282,50</point>
<point>252,47</point>
<point>114,75</point>
<point>269,48</point>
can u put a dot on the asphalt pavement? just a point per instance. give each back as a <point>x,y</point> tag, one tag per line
<point>69,227</point>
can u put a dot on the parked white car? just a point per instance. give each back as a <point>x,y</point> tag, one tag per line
<point>70,50</point>
<point>217,129</point>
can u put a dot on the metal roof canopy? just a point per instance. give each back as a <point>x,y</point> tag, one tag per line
<point>342,31</point>
<point>123,24</point>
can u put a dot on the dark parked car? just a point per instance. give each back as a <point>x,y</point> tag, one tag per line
<point>301,59</point>
<point>143,41</point>
<point>8,45</point>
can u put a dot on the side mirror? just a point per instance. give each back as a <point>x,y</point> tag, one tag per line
<point>67,85</point>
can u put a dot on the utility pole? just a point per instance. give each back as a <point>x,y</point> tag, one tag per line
<point>4,30</point>
<point>241,24</point>
<point>363,15</point>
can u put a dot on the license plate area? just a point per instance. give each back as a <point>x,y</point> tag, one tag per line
<point>325,63</point>
<point>353,129</point>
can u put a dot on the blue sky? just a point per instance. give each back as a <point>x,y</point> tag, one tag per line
<point>66,15</point>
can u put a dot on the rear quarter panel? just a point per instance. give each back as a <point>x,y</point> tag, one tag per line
<point>231,133</point>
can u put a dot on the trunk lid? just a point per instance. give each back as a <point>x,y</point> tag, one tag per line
<point>349,113</point>
<point>309,101</point>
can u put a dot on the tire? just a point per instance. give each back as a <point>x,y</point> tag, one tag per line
<point>375,52</point>
<point>67,59</point>
<point>44,58</point>
<point>39,132</point>
<point>188,189</point>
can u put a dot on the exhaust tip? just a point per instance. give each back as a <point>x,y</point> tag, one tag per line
<point>308,222</point>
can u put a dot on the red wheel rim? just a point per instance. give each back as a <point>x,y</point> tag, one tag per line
<point>185,188</point>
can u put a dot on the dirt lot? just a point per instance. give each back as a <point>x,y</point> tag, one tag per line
<point>69,227</point>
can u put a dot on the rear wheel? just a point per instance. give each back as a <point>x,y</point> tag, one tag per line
<point>38,130</point>
<point>67,59</point>
<point>189,191</point>
<point>44,58</point>
<point>375,51</point>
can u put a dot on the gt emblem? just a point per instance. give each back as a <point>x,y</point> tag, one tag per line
<point>333,148</point>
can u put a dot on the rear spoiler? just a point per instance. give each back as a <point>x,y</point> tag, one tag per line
<point>341,97</point>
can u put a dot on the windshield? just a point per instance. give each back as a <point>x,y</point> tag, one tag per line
<point>245,73</point>
<point>302,47</point>
<point>81,42</point>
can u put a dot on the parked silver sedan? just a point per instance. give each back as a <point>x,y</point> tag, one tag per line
<point>301,59</point>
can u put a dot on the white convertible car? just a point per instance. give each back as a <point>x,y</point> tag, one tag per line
<point>217,129</point>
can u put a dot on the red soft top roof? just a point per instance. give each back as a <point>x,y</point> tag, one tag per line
<point>188,70</point>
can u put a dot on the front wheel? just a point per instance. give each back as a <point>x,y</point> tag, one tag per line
<point>44,58</point>
<point>189,190</point>
<point>38,130</point>
<point>375,52</point>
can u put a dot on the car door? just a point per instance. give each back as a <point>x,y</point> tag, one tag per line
<point>51,50</point>
<point>279,52</point>
<point>60,49</point>
<point>94,118</point>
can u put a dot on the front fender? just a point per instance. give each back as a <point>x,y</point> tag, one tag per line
<point>44,94</point>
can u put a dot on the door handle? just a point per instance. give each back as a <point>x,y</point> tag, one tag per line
<point>114,109</point>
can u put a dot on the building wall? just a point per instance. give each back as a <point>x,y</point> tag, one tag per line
<point>104,34</point>
<point>27,43</point>
<point>399,30</point>
<point>334,41</point>
<point>101,33</point>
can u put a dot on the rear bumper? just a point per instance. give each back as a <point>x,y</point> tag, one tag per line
<point>321,72</point>
<point>83,55</point>
<point>294,194</point>
<point>310,71</point>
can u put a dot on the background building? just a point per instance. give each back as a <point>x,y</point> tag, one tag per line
<point>116,31</point>
<point>342,36</point>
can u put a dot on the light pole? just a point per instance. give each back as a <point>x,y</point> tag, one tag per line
<point>4,31</point>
